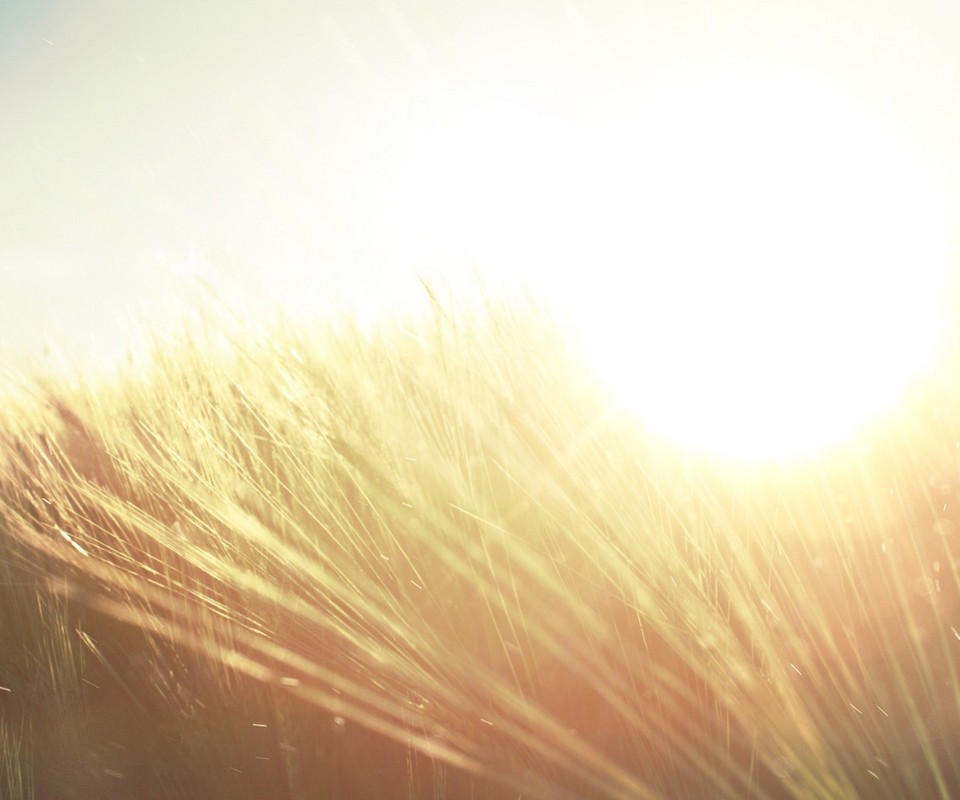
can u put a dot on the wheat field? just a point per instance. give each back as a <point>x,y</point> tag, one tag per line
<point>434,561</point>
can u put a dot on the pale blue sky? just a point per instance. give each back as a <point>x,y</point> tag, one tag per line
<point>16,17</point>
<point>144,139</point>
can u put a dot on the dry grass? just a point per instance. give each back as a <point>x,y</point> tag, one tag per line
<point>432,562</point>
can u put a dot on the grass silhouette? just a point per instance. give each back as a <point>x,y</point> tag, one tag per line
<point>433,561</point>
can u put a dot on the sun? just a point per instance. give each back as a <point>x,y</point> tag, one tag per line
<point>752,264</point>
<point>791,278</point>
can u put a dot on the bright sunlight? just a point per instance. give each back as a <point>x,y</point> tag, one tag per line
<point>753,264</point>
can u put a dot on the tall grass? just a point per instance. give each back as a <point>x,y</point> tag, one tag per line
<point>434,561</point>
<point>15,764</point>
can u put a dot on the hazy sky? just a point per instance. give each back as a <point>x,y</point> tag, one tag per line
<point>281,145</point>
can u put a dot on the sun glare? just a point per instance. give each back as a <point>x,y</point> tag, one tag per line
<point>791,277</point>
<point>754,266</point>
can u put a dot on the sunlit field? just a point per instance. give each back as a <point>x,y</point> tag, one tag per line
<point>570,410</point>
<point>437,559</point>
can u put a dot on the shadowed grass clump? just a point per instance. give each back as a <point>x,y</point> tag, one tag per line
<point>434,562</point>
